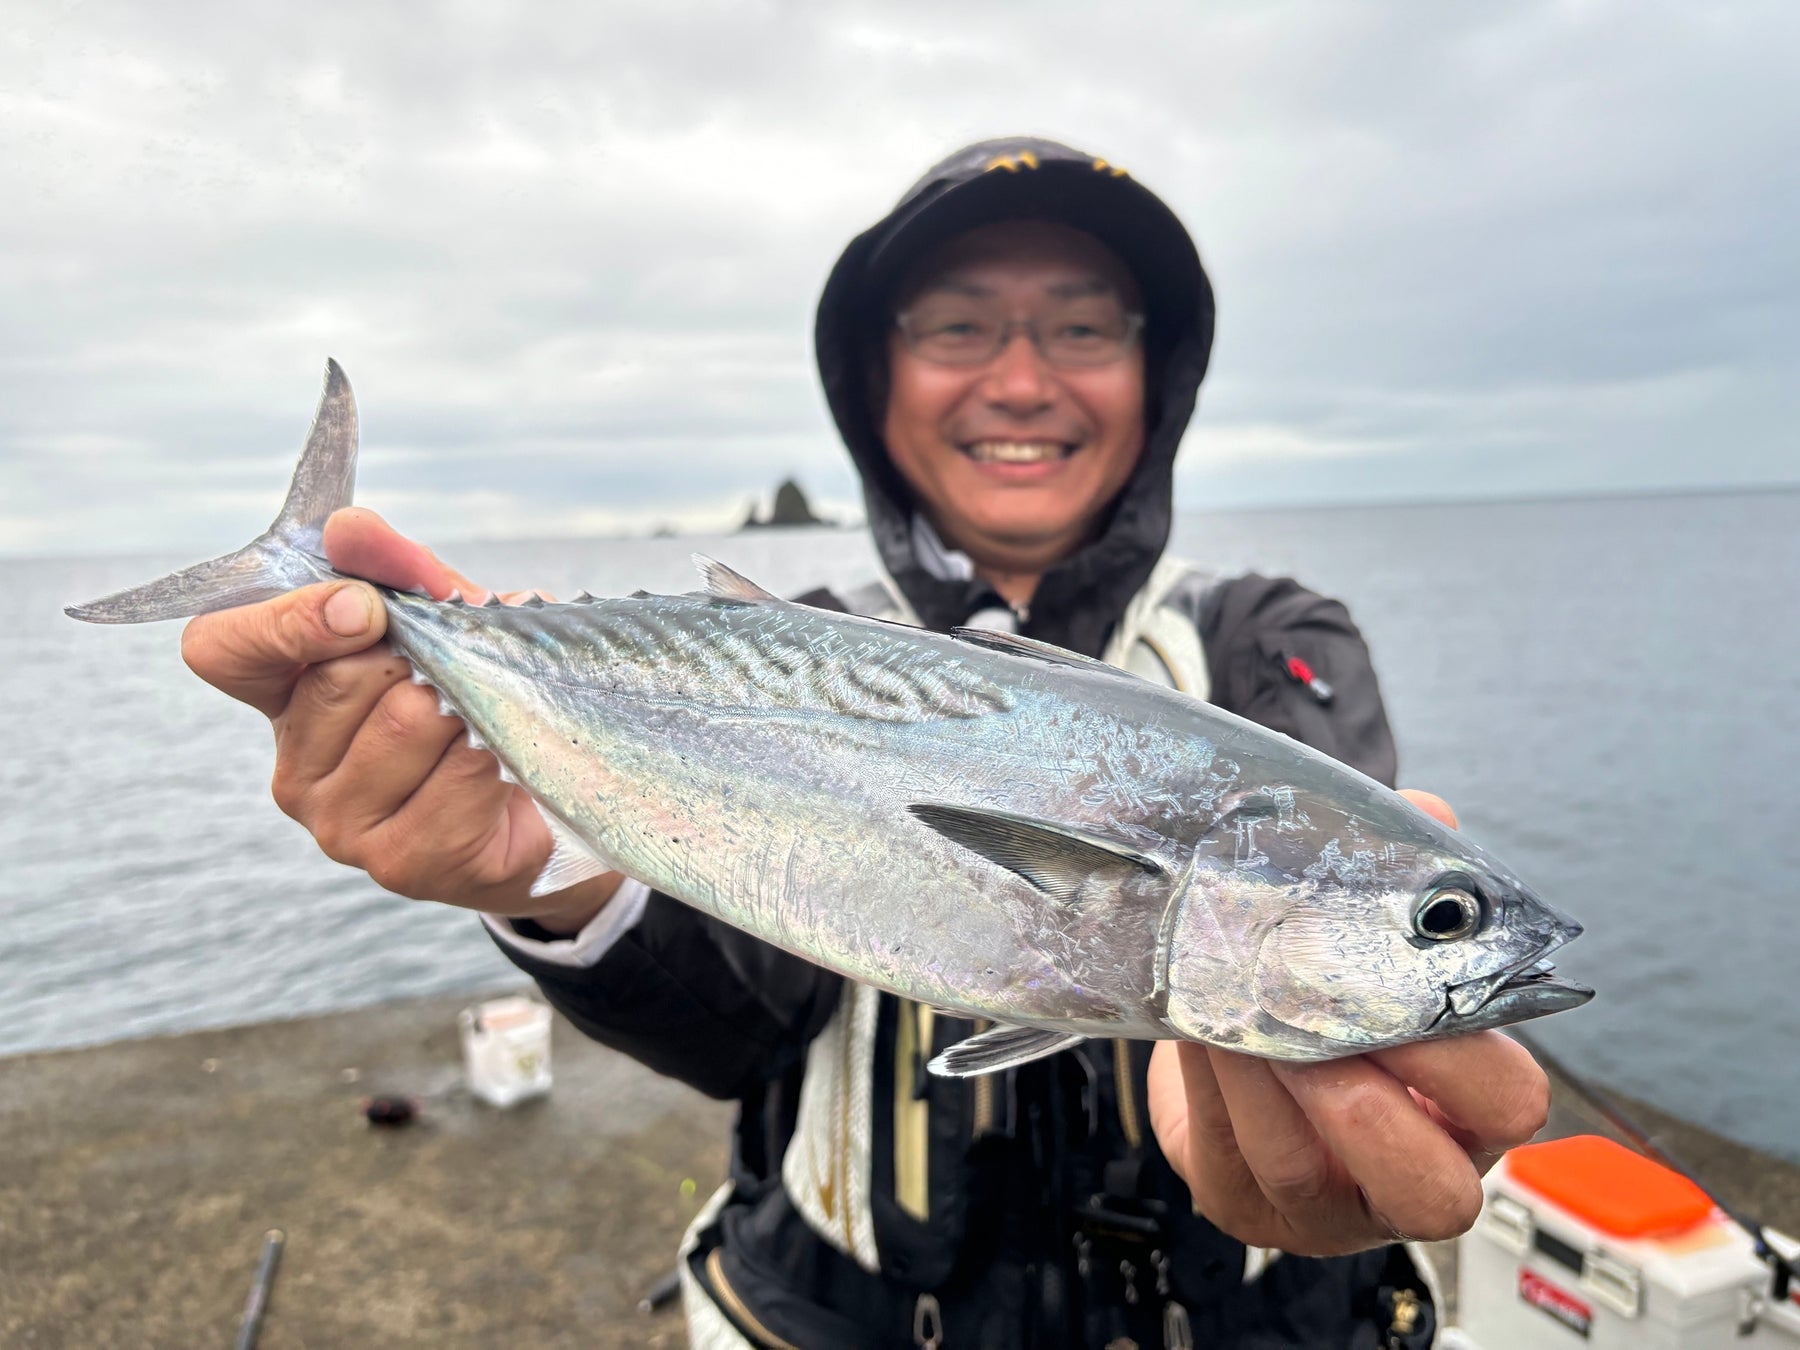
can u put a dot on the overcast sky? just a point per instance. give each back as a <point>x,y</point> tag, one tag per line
<point>568,253</point>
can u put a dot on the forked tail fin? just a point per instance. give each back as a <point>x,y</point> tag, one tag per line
<point>289,554</point>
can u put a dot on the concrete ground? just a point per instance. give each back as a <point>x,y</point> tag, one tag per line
<point>137,1180</point>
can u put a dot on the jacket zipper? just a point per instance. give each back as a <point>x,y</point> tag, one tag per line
<point>928,1323</point>
<point>1125,1087</point>
<point>985,1090</point>
<point>739,1310</point>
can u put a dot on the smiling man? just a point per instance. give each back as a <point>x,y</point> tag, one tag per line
<point>1018,447</point>
<point>1011,356</point>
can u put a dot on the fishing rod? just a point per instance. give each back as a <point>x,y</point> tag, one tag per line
<point>1782,1270</point>
<point>250,1328</point>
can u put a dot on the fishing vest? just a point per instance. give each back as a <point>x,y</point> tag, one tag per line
<point>1153,640</point>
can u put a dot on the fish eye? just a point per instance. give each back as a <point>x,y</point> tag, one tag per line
<point>1448,913</point>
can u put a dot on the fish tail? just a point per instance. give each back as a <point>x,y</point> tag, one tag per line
<point>289,554</point>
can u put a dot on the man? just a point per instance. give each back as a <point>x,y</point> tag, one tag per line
<point>1011,357</point>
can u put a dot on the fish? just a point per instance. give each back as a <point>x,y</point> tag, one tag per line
<point>975,820</point>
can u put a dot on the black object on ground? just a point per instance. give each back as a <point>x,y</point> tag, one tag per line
<point>391,1112</point>
<point>257,1305</point>
<point>662,1293</point>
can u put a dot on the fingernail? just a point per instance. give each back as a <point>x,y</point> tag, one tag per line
<point>347,612</point>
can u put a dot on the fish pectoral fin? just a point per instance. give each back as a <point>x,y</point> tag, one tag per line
<point>571,860</point>
<point>1000,1047</point>
<point>722,583</point>
<point>1057,859</point>
<point>1011,644</point>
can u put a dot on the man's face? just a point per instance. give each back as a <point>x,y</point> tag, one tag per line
<point>1015,458</point>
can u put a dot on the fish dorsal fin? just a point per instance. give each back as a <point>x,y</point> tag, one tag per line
<point>1000,1047</point>
<point>724,584</point>
<point>571,860</point>
<point>1012,644</point>
<point>1057,859</point>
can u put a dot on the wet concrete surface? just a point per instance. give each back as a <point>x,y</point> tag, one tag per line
<point>137,1181</point>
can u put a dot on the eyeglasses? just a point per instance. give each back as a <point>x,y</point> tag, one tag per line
<point>956,332</point>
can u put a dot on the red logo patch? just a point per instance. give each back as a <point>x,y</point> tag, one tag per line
<point>1560,1304</point>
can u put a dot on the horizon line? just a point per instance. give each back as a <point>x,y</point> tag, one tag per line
<point>1451,500</point>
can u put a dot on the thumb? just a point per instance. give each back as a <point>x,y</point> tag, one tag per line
<point>257,652</point>
<point>1432,805</point>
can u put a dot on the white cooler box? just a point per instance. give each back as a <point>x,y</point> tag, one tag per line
<point>506,1049</point>
<point>1586,1245</point>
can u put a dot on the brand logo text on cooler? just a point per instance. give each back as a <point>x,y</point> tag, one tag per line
<point>1559,1303</point>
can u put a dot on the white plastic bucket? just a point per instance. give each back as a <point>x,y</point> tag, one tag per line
<point>506,1049</point>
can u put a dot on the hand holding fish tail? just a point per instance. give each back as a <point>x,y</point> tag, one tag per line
<point>1323,1159</point>
<point>364,760</point>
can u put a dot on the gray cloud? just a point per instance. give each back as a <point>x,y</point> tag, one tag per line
<point>569,255</point>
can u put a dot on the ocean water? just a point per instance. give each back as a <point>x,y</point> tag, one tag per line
<point>1607,690</point>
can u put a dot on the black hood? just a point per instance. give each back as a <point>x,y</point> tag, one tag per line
<point>1079,600</point>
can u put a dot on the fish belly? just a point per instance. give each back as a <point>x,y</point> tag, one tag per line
<point>795,828</point>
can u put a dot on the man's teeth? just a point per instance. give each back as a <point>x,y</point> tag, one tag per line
<point>1016,452</point>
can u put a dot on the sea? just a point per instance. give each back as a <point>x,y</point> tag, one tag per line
<point>1607,690</point>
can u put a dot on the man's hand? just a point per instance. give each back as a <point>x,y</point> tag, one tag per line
<point>1322,1159</point>
<point>363,758</point>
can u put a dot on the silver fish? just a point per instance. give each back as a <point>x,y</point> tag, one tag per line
<point>978,821</point>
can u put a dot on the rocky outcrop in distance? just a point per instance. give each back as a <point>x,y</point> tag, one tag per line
<point>789,510</point>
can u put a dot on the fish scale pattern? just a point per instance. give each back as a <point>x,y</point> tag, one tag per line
<point>727,654</point>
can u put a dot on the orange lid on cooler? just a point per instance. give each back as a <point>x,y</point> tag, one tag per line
<point>1609,1187</point>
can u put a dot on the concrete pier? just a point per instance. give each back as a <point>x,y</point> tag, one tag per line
<point>137,1180</point>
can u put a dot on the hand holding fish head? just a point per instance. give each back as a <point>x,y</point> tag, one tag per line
<point>1321,1159</point>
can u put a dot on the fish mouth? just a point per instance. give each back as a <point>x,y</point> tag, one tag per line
<point>1529,988</point>
<point>1532,993</point>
